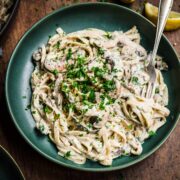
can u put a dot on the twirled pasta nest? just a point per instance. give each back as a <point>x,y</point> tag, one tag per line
<point>89,91</point>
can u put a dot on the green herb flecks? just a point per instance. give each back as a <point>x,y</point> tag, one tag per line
<point>69,107</point>
<point>56,116</point>
<point>92,96</point>
<point>108,35</point>
<point>87,103</point>
<point>105,100</point>
<point>89,125</point>
<point>115,70</point>
<point>68,154</point>
<point>76,73</point>
<point>41,128</point>
<point>109,85</point>
<point>51,85</point>
<point>157,90</point>
<point>69,54</point>
<point>75,84</point>
<point>57,45</point>
<point>80,73</point>
<point>55,72</point>
<point>98,72</point>
<point>110,100</point>
<point>134,80</point>
<point>101,105</point>
<point>151,133</point>
<point>47,109</point>
<point>130,127</point>
<point>65,88</point>
<point>80,61</point>
<point>100,51</point>
<point>28,107</point>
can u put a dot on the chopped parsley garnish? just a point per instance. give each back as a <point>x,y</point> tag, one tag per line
<point>157,90</point>
<point>111,100</point>
<point>70,67</point>
<point>69,106</point>
<point>84,97</point>
<point>89,104</point>
<point>134,80</point>
<point>94,80</point>
<point>83,111</point>
<point>90,126</point>
<point>75,84</point>
<point>84,88</point>
<point>57,45</point>
<point>125,153</point>
<point>108,98</point>
<point>47,109</point>
<point>68,154</point>
<point>80,73</point>
<point>41,128</point>
<point>98,72</point>
<point>69,54</point>
<point>130,126</point>
<point>108,35</point>
<point>91,96</point>
<point>64,88</point>
<point>115,70</point>
<point>56,116</point>
<point>81,135</point>
<point>151,133</point>
<point>122,81</point>
<point>101,105</point>
<point>55,72</point>
<point>28,107</point>
<point>51,85</point>
<point>71,74</point>
<point>109,85</point>
<point>80,60</point>
<point>76,73</point>
<point>100,51</point>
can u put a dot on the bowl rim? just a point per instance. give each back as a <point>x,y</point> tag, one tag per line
<point>104,168</point>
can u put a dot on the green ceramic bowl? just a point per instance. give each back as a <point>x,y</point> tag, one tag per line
<point>105,16</point>
<point>8,167</point>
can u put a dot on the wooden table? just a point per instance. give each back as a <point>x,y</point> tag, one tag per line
<point>164,164</point>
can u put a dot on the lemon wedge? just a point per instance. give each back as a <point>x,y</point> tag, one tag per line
<point>127,1</point>
<point>173,21</point>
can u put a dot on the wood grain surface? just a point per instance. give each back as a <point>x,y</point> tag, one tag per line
<point>164,164</point>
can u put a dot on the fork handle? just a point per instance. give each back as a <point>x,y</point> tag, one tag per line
<point>163,13</point>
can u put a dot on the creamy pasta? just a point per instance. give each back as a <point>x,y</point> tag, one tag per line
<point>89,94</point>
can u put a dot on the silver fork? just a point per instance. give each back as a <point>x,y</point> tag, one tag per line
<point>164,10</point>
